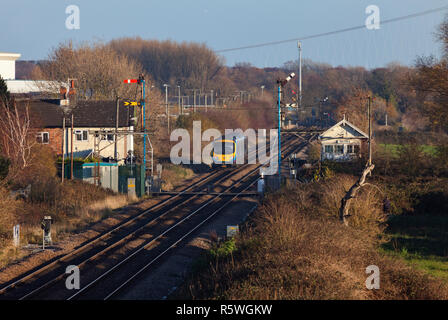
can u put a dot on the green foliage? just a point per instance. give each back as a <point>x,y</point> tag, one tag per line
<point>223,250</point>
<point>216,253</point>
<point>322,172</point>
<point>411,159</point>
<point>4,93</point>
<point>313,151</point>
<point>421,241</point>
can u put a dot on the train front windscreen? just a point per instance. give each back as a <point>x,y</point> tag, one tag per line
<point>224,147</point>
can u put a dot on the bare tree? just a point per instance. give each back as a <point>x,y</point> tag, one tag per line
<point>352,193</point>
<point>16,136</point>
<point>98,70</point>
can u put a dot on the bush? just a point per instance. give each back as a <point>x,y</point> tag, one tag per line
<point>411,159</point>
<point>289,250</point>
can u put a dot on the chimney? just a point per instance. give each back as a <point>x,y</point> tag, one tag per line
<point>67,93</point>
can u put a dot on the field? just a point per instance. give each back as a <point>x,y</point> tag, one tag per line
<point>394,149</point>
<point>421,240</point>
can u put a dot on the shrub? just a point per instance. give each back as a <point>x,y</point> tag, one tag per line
<point>410,158</point>
<point>289,250</point>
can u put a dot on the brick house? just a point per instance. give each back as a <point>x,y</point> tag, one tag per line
<point>88,117</point>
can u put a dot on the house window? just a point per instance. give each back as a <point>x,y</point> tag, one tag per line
<point>43,137</point>
<point>107,136</point>
<point>339,149</point>
<point>328,149</point>
<point>82,135</point>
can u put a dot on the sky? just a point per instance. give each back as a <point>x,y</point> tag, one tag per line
<point>33,28</point>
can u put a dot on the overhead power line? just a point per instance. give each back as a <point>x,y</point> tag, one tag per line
<point>318,35</point>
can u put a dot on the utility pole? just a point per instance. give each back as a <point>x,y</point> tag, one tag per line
<point>205,98</point>
<point>279,94</point>
<point>178,100</point>
<point>63,151</point>
<point>116,130</point>
<point>370,130</point>
<point>71,152</point>
<point>262,88</point>
<point>194,100</point>
<point>211,95</point>
<point>299,100</point>
<point>167,109</point>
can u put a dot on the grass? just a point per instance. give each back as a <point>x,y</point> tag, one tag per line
<point>74,206</point>
<point>394,149</point>
<point>421,241</point>
<point>175,175</point>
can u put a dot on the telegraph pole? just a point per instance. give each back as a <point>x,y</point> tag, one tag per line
<point>71,151</point>
<point>63,151</point>
<point>178,100</point>
<point>194,100</point>
<point>167,109</point>
<point>279,130</point>
<point>116,130</point>
<point>299,100</point>
<point>370,130</point>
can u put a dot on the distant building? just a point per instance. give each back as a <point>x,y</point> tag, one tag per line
<point>8,65</point>
<point>343,142</point>
<point>8,73</point>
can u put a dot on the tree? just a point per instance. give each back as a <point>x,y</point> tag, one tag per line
<point>190,65</point>
<point>16,137</point>
<point>98,70</point>
<point>4,92</point>
<point>431,83</point>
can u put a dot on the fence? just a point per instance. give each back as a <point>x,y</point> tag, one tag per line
<point>109,175</point>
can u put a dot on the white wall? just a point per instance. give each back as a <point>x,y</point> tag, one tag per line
<point>30,86</point>
<point>8,65</point>
<point>8,69</point>
<point>107,147</point>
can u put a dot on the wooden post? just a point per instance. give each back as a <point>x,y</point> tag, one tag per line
<point>63,150</point>
<point>370,131</point>
<point>116,130</point>
<point>71,151</point>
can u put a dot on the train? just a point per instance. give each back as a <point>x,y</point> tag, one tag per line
<point>227,151</point>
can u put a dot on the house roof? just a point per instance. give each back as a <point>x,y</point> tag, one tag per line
<point>349,131</point>
<point>87,114</point>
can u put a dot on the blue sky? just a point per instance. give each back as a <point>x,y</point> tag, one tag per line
<point>33,28</point>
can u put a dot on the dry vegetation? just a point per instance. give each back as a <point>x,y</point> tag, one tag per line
<point>73,205</point>
<point>296,249</point>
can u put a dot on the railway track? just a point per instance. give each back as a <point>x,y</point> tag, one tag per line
<point>123,253</point>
